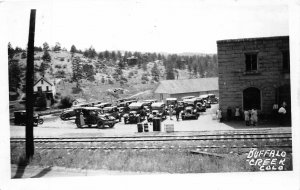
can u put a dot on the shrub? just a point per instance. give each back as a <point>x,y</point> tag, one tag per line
<point>130,74</point>
<point>62,59</point>
<point>110,81</point>
<point>76,90</point>
<point>66,102</point>
<point>23,55</point>
<point>58,66</point>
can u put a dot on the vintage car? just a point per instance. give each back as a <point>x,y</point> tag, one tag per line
<point>21,118</point>
<point>125,105</point>
<point>150,102</point>
<point>189,110</point>
<point>67,114</point>
<point>187,97</point>
<point>200,107</point>
<point>171,101</point>
<point>113,111</point>
<point>205,98</point>
<point>158,110</point>
<point>120,101</point>
<point>136,113</point>
<point>213,99</point>
<point>92,116</point>
<point>200,104</point>
<point>103,105</point>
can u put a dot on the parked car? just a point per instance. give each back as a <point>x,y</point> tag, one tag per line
<point>113,111</point>
<point>171,101</point>
<point>67,114</point>
<point>158,110</point>
<point>189,110</point>
<point>136,113</point>
<point>92,116</point>
<point>21,118</point>
<point>206,100</point>
<point>213,99</point>
<point>187,97</point>
<point>103,105</point>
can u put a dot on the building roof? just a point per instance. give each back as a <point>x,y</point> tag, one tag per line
<point>253,39</point>
<point>187,85</point>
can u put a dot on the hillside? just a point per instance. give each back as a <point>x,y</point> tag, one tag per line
<point>101,76</point>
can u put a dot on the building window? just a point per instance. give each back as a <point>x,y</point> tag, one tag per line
<point>39,88</point>
<point>42,81</point>
<point>251,98</point>
<point>286,61</point>
<point>251,62</point>
<point>47,88</point>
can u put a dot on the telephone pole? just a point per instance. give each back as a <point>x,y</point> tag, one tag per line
<point>29,87</point>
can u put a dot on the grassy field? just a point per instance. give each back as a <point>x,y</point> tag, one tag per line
<point>166,161</point>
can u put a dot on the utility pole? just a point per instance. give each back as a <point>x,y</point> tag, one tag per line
<point>29,87</point>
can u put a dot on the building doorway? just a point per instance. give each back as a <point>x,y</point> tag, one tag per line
<point>251,98</point>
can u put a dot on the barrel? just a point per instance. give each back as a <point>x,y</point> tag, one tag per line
<point>140,127</point>
<point>156,124</point>
<point>146,128</point>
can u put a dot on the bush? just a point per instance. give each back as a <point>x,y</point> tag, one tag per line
<point>66,102</point>
<point>58,66</point>
<point>62,59</point>
<point>23,55</point>
<point>110,81</point>
<point>130,74</point>
<point>76,90</point>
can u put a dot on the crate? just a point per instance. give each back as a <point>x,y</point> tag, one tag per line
<point>169,128</point>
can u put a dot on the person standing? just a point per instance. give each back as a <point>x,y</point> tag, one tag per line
<point>171,112</point>
<point>282,113</point>
<point>81,119</point>
<point>247,117</point>
<point>177,110</point>
<point>219,115</point>
<point>237,113</point>
<point>254,118</point>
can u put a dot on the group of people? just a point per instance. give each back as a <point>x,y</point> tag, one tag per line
<point>177,108</point>
<point>250,117</point>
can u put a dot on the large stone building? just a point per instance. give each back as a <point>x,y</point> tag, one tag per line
<point>186,87</point>
<point>254,73</point>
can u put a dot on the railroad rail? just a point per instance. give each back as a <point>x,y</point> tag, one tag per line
<point>204,142</point>
<point>204,137</point>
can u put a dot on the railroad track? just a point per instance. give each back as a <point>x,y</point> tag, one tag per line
<point>204,137</point>
<point>167,142</point>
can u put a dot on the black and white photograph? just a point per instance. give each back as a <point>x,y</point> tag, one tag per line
<point>149,88</point>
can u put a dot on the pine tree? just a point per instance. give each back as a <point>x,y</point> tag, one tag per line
<point>155,72</point>
<point>14,75</point>
<point>73,49</point>
<point>45,46</point>
<point>77,70</point>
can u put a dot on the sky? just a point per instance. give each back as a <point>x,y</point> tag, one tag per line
<point>146,26</point>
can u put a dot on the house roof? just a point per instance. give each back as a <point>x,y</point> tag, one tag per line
<point>43,78</point>
<point>187,85</point>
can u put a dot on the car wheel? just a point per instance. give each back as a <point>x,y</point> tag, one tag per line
<point>40,121</point>
<point>125,121</point>
<point>100,124</point>
<point>111,125</point>
<point>63,117</point>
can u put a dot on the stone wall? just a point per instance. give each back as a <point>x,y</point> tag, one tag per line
<point>233,78</point>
